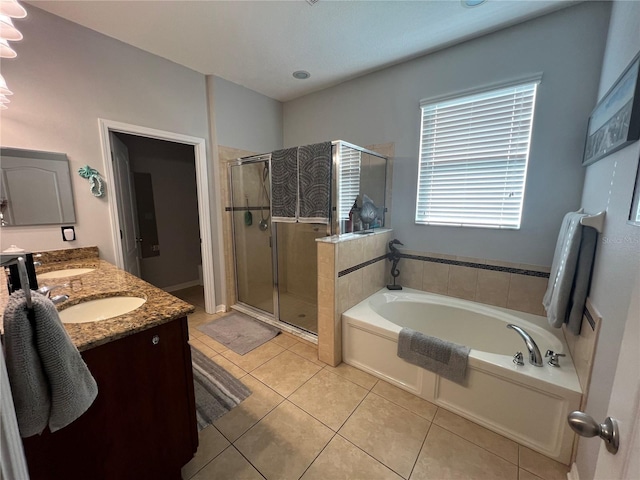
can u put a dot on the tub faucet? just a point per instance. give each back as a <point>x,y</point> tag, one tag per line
<point>535,357</point>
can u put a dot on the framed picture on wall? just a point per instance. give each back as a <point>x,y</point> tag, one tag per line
<point>615,122</point>
<point>634,212</point>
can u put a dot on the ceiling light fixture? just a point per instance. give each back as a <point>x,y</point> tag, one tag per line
<point>472,3</point>
<point>7,30</point>
<point>8,33</point>
<point>301,74</point>
<point>3,87</point>
<point>11,8</point>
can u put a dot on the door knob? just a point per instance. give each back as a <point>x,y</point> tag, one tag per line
<point>585,426</point>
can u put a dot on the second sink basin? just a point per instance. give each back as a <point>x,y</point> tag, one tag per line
<point>68,272</point>
<point>100,309</point>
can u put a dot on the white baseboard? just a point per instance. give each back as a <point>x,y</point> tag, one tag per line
<point>181,286</point>
<point>221,308</point>
<point>573,473</point>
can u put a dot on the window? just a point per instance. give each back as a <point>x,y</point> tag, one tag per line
<point>473,158</point>
<point>349,179</point>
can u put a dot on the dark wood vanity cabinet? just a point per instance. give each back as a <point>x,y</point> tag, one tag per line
<point>142,425</point>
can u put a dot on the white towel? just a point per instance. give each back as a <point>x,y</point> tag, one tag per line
<point>50,382</point>
<point>557,298</point>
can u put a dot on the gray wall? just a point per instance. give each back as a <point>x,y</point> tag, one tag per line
<point>566,47</point>
<point>66,77</point>
<point>609,186</point>
<point>175,197</point>
<point>246,119</point>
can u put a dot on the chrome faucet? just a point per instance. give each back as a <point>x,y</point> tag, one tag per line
<point>46,291</point>
<point>535,357</point>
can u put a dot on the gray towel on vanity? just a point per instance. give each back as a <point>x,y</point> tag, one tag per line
<point>446,359</point>
<point>284,185</point>
<point>314,176</point>
<point>50,382</point>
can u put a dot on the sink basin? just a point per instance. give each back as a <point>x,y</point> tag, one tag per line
<point>68,272</point>
<point>100,309</point>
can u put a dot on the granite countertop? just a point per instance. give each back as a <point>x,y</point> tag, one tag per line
<point>107,281</point>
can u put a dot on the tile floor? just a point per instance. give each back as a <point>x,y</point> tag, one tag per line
<point>306,420</point>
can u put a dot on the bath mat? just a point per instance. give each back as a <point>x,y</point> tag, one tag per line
<point>216,390</point>
<point>239,332</point>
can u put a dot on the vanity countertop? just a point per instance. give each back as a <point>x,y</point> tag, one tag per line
<point>106,281</point>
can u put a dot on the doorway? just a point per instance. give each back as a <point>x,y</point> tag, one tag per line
<point>126,239</point>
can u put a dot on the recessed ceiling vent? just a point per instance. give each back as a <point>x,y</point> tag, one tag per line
<point>312,2</point>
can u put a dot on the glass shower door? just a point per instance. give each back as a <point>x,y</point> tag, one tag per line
<point>252,233</point>
<point>298,274</point>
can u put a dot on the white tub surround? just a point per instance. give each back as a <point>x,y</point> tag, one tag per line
<point>526,403</point>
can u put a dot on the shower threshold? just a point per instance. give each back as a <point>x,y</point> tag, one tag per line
<point>269,319</point>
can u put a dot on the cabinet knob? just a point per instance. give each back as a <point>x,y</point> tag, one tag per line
<point>156,339</point>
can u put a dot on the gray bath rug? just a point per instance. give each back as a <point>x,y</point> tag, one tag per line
<point>239,332</point>
<point>216,390</point>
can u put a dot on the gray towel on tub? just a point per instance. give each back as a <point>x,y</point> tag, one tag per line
<point>446,359</point>
<point>50,383</point>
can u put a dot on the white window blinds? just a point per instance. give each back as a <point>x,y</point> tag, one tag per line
<point>349,179</point>
<point>473,158</point>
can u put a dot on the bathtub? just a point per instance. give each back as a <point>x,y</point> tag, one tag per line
<point>527,404</point>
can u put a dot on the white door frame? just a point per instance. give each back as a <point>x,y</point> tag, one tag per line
<point>202,183</point>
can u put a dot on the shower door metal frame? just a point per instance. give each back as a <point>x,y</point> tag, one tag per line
<point>333,228</point>
<point>266,157</point>
<point>267,317</point>
<point>335,181</point>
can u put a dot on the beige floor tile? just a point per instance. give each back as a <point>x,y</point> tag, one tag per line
<point>329,398</point>
<point>284,340</point>
<point>405,399</point>
<point>524,475</point>
<point>195,333</point>
<point>252,360</point>
<point>446,455</point>
<point>309,352</point>
<point>342,460</point>
<point>501,446</point>
<point>356,376</point>
<point>229,465</point>
<point>261,401</point>
<point>286,372</point>
<point>389,433</point>
<point>542,466</point>
<point>209,352</point>
<point>211,443</point>
<point>284,443</point>
<point>230,367</point>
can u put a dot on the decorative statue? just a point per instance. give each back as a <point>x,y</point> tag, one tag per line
<point>394,256</point>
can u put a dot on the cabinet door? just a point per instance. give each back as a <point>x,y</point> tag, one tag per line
<point>142,425</point>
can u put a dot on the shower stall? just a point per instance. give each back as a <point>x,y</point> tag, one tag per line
<point>275,260</point>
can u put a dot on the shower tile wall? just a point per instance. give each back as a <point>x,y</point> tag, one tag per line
<point>338,294</point>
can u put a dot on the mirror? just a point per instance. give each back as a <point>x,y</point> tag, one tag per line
<point>35,188</point>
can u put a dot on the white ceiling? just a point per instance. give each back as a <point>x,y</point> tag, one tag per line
<point>258,44</point>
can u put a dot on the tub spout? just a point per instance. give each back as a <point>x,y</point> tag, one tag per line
<point>535,358</point>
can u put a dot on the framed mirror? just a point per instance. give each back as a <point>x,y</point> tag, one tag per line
<point>35,188</point>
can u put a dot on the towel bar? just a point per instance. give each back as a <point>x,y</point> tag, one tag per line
<point>594,221</point>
